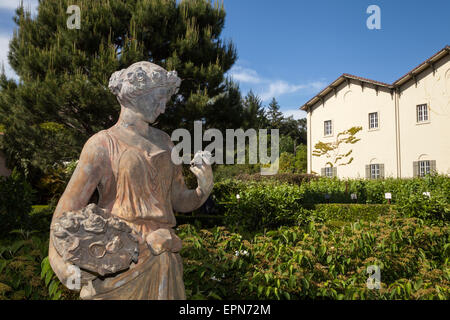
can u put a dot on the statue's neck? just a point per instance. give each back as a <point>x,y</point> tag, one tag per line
<point>130,121</point>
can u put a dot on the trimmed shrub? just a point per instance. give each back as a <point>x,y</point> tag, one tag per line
<point>350,212</point>
<point>265,206</point>
<point>292,178</point>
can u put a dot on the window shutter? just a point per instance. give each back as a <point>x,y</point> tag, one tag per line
<point>367,171</point>
<point>334,171</point>
<point>322,172</point>
<point>382,171</point>
<point>416,169</point>
<point>432,166</point>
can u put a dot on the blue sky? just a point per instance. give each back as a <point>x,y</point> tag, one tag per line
<point>291,49</point>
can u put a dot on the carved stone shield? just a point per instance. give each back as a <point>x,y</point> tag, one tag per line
<point>94,240</point>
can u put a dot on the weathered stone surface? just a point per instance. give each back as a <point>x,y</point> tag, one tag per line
<point>131,167</point>
<point>94,240</point>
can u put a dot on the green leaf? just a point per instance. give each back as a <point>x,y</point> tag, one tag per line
<point>45,267</point>
<point>48,277</point>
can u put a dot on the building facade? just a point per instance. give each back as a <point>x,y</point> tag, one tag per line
<point>405,125</point>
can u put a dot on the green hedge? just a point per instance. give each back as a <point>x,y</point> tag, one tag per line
<point>350,212</point>
<point>265,206</point>
<point>269,204</point>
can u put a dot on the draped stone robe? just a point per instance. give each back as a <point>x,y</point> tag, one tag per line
<point>138,183</point>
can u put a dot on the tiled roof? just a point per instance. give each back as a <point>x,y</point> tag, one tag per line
<point>421,67</point>
<point>367,80</point>
<point>426,62</point>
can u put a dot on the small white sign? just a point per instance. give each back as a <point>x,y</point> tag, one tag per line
<point>353,196</point>
<point>427,194</point>
<point>388,195</point>
<point>374,280</point>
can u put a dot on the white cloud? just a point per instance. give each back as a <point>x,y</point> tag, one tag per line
<point>278,88</point>
<point>245,75</point>
<point>13,4</point>
<point>296,113</point>
<point>267,88</point>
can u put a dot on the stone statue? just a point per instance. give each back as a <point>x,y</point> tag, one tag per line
<point>124,245</point>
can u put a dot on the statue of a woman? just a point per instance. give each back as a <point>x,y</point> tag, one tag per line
<point>130,165</point>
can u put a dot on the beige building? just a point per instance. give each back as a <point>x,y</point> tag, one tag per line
<point>405,125</point>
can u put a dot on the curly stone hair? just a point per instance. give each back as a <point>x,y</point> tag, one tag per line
<point>140,78</point>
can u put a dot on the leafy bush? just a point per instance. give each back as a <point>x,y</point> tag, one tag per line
<point>262,206</point>
<point>16,196</point>
<point>432,208</point>
<point>53,183</point>
<point>264,198</point>
<point>224,172</point>
<point>41,217</point>
<point>200,221</point>
<point>22,264</point>
<point>292,178</point>
<point>350,212</point>
<point>316,262</point>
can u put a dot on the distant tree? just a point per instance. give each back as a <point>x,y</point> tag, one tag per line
<point>274,115</point>
<point>301,158</point>
<point>332,150</point>
<point>254,113</point>
<point>62,97</point>
<point>287,144</point>
<point>296,129</point>
<point>290,163</point>
<point>225,110</point>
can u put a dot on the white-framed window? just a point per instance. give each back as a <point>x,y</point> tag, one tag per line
<point>422,113</point>
<point>373,120</point>
<point>424,167</point>
<point>329,172</point>
<point>375,172</point>
<point>327,128</point>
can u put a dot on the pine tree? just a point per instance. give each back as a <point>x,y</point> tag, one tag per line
<point>254,113</point>
<point>62,96</point>
<point>274,114</point>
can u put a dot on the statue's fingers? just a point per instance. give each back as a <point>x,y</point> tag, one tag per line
<point>205,168</point>
<point>195,170</point>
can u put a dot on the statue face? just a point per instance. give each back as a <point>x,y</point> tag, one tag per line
<point>150,105</point>
<point>145,88</point>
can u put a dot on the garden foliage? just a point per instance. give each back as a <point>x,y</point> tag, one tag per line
<point>317,262</point>
<point>16,196</point>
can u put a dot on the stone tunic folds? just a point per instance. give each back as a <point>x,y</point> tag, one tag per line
<point>140,184</point>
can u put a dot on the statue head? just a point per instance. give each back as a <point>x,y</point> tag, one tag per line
<point>145,88</point>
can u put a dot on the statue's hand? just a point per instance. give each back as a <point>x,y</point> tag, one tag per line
<point>201,168</point>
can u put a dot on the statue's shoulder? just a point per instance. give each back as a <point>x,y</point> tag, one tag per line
<point>98,140</point>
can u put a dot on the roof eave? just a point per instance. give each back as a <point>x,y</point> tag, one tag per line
<point>414,72</point>
<point>422,67</point>
<point>335,84</point>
